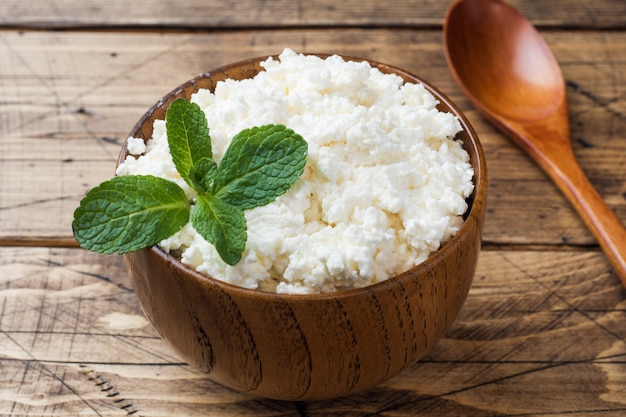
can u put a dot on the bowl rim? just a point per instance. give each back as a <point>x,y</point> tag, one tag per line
<point>475,201</point>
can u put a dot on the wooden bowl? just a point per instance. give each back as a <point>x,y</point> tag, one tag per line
<point>305,347</point>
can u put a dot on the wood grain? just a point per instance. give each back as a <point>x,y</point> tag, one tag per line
<point>73,334</point>
<point>541,333</point>
<point>285,13</point>
<point>64,116</point>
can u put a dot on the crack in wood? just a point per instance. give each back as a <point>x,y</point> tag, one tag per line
<point>603,103</point>
<point>110,392</point>
<point>37,202</point>
<point>553,292</point>
<point>101,277</point>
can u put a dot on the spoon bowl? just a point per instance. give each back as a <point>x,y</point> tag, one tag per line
<point>509,73</point>
<point>527,85</point>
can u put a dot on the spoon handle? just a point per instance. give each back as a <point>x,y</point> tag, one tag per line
<point>599,218</point>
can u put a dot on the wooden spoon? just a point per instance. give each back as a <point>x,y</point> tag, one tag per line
<point>509,73</point>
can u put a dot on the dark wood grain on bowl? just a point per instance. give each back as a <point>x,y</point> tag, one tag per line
<point>302,347</point>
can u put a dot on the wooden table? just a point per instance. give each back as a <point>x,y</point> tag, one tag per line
<point>543,331</point>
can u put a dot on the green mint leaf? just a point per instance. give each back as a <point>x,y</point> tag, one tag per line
<point>129,213</point>
<point>202,174</point>
<point>187,136</point>
<point>221,224</point>
<point>260,164</point>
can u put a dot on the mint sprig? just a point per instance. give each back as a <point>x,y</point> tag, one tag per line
<point>129,213</point>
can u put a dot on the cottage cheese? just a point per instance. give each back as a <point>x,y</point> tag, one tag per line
<point>384,186</point>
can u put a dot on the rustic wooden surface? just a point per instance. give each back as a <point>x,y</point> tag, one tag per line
<point>543,332</point>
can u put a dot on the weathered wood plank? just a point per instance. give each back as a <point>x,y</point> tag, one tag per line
<point>540,333</point>
<point>285,13</point>
<point>67,100</point>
